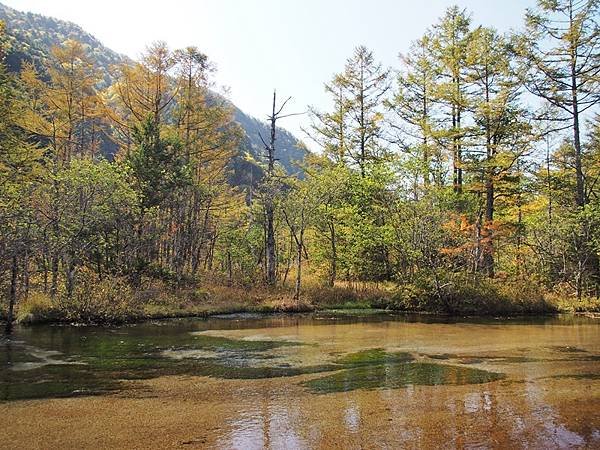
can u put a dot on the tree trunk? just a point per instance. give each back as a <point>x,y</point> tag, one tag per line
<point>70,277</point>
<point>333,269</point>
<point>229,268</point>
<point>270,246</point>
<point>54,276</point>
<point>12,295</point>
<point>299,269</point>
<point>269,207</point>
<point>488,247</point>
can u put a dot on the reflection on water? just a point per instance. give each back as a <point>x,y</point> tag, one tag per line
<point>318,381</point>
<point>352,418</point>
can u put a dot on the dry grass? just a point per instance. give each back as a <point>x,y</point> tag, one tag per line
<point>114,300</point>
<point>37,307</point>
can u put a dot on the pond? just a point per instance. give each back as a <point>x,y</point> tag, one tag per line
<point>328,379</point>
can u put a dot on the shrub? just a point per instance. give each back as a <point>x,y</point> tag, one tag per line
<point>413,297</point>
<point>101,301</point>
<point>468,294</point>
<point>37,307</point>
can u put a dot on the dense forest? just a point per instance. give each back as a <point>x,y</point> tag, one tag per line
<point>466,179</point>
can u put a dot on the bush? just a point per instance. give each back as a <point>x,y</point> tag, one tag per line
<point>37,307</point>
<point>471,294</point>
<point>565,300</point>
<point>101,301</point>
<point>468,294</point>
<point>413,297</point>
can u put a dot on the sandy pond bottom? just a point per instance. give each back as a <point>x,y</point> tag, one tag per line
<point>379,381</point>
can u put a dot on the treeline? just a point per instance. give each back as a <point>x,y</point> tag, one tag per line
<point>476,164</point>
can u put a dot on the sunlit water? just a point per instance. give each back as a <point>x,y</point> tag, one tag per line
<point>311,381</point>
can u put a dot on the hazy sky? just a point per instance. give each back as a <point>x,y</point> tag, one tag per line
<point>257,45</point>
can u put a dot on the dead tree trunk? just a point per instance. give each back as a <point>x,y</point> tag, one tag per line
<point>270,190</point>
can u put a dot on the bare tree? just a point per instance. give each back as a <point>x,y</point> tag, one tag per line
<point>270,186</point>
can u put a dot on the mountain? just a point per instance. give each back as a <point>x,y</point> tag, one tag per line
<point>31,36</point>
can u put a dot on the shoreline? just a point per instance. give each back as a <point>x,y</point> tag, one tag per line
<point>267,311</point>
<point>161,303</point>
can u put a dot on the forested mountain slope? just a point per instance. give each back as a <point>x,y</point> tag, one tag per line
<point>31,36</point>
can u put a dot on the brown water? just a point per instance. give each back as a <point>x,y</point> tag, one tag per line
<point>324,381</point>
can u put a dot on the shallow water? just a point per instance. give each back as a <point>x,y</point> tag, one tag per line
<point>324,380</point>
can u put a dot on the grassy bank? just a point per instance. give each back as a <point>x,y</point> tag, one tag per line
<point>112,301</point>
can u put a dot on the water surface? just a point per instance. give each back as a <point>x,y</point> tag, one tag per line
<point>306,381</point>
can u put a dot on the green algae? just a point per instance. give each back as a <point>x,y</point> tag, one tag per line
<point>398,375</point>
<point>97,363</point>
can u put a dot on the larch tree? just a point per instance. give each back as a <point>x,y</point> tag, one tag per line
<point>364,84</point>
<point>562,48</point>
<point>329,129</point>
<point>561,45</point>
<point>450,39</point>
<point>501,134</point>
<point>414,123</point>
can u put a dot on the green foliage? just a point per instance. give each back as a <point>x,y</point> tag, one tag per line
<point>156,164</point>
<point>434,197</point>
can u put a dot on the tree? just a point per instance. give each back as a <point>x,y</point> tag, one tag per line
<point>61,114</point>
<point>143,89</point>
<point>270,186</point>
<point>19,169</point>
<point>562,47</point>
<point>450,40</point>
<point>330,129</point>
<point>499,129</point>
<point>413,104</point>
<point>64,111</point>
<point>204,124</point>
<point>93,200</point>
<point>298,208</point>
<point>364,84</point>
<point>157,170</point>
<point>329,182</point>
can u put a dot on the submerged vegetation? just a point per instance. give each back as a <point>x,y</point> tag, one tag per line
<point>99,364</point>
<point>465,183</point>
<point>48,362</point>
<point>400,375</point>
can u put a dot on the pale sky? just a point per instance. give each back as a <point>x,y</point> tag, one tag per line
<point>257,45</point>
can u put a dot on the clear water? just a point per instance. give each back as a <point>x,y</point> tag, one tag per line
<point>385,379</point>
